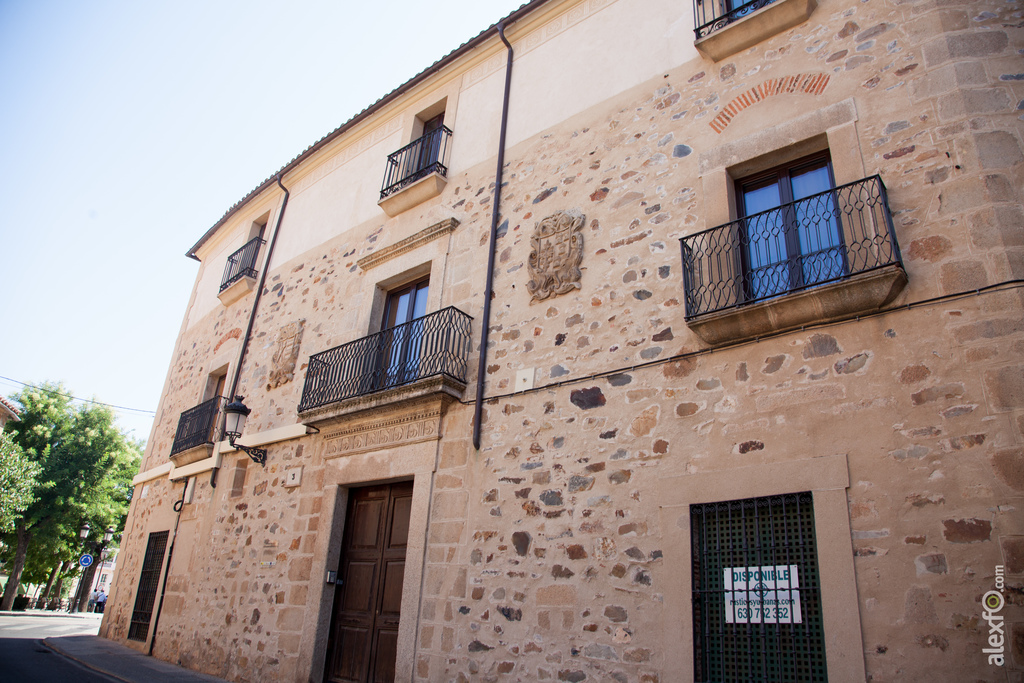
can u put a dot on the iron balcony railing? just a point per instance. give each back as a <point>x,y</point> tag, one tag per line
<point>242,263</point>
<point>418,159</point>
<point>198,426</point>
<point>712,15</point>
<point>436,344</point>
<point>824,238</point>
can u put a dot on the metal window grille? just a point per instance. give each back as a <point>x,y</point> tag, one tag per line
<point>242,263</point>
<point>758,645</point>
<point>149,580</point>
<point>712,15</point>
<point>418,159</point>
<point>197,426</point>
<point>436,344</point>
<point>716,262</point>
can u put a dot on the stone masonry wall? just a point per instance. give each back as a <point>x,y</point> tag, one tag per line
<point>562,558</point>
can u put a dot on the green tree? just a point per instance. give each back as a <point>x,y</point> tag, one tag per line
<point>52,545</point>
<point>86,466</point>
<point>18,474</point>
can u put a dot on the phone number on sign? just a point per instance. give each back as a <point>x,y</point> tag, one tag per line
<point>763,613</point>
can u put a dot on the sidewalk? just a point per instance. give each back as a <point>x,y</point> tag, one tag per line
<point>123,663</point>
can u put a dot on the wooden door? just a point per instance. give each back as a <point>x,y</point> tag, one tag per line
<point>363,641</point>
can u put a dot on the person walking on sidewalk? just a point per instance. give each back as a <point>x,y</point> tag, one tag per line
<point>101,602</point>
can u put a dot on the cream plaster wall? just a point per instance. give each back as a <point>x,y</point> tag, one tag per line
<point>616,47</point>
<point>331,206</point>
<point>215,252</point>
<point>566,52</point>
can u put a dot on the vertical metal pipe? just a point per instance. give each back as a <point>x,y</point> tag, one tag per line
<point>255,305</point>
<point>259,291</point>
<point>488,290</point>
<point>178,505</point>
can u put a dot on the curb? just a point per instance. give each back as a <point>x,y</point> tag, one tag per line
<point>49,613</point>
<point>81,662</point>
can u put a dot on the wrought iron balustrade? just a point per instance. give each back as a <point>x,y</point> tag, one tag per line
<point>827,237</point>
<point>198,426</point>
<point>417,160</point>
<point>242,263</point>
<point>436,344</point>
<point>712,15</point>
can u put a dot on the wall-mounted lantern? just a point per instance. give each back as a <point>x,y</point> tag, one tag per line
<point>234,423</point>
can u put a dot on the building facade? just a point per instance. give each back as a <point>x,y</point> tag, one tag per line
<point>8,412</point>
<point>741,396</point>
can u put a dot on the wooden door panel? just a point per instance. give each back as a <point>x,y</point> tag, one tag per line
<point>352,655</point>
<point>391,590</point>
<point>399,532</point>
<point>365,529</point>
<point>385,653</point>
<point>358,583</point>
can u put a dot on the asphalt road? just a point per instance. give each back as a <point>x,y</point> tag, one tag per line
<point>24,658</point>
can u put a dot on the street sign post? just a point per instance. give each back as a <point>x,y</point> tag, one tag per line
<point>85,560</point>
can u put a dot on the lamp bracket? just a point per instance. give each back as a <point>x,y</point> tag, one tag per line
<point>258,455</point>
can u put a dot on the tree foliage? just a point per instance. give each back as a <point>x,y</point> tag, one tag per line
<point>51,544</point>
<point>85,469</point>
<point>18,472</point>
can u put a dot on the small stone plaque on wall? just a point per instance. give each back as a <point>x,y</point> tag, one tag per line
<point>556,254</point>
<point>293,476</point>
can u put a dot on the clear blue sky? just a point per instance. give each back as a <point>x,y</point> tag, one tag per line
<point>128,128</point>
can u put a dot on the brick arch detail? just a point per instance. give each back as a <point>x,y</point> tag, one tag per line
<point>810,83</point>
<point>236,333</point>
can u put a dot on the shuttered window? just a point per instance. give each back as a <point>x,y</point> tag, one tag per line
<point>149,581</point>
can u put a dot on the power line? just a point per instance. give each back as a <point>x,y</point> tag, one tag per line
<point>75,398</point>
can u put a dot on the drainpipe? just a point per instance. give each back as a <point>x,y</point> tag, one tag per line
<point>259,290</point>
<point>484,333</point>
<point>255,305</point>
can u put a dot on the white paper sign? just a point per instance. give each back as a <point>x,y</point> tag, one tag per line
<point>762,595</point>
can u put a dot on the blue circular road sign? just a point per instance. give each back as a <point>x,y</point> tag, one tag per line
<point>85,560</point>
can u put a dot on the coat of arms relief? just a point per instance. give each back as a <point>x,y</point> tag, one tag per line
<point>286,354</point>
<point>556,255</point>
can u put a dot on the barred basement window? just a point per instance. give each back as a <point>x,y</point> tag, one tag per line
<point>756,592</point>
<point>149,581</point>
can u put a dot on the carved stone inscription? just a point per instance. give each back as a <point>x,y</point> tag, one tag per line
<point>556,255</point>
<point>385,429</point>
<point>286,353</point>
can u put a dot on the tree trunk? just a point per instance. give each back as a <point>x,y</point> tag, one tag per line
<point>60,582</point>
<point>11,591</point>
<point>85,587</point>
<point>45,595</point>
